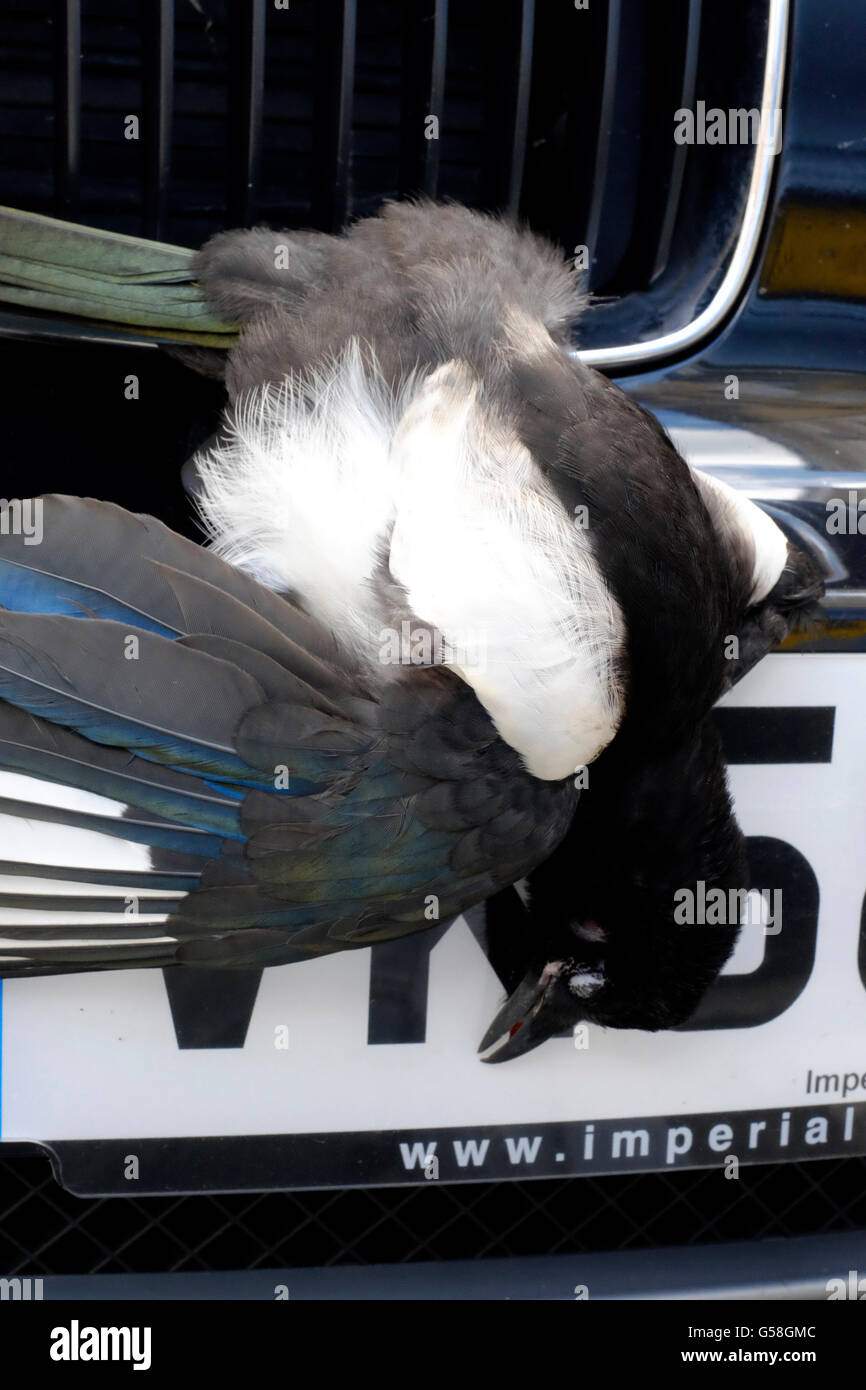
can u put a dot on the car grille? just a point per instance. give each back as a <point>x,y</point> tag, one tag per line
<point>45,1230</point>
<point>314,113</point>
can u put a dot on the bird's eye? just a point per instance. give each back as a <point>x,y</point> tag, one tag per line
<point>584,983</point>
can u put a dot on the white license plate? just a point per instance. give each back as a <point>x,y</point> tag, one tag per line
<point>356,1069</point>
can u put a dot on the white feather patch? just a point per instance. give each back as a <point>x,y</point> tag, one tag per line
<point>321,476</point>
<point>76,888</point>
<point>31,841</point>
<point>487,553</point>
<point>302,494</point>
<point>17,786</point>
<point>732,512</point>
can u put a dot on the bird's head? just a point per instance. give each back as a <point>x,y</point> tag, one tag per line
<point>606,927</point>
<point>642,973</point>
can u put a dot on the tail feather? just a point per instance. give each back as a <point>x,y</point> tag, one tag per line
<point>162,834</point>
<point>104,276</point>
<point>66,909</point>
<point>84,952</point>
<point>147,883</point>
<point>57,755</point>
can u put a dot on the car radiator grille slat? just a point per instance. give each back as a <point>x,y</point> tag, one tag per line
<point>158,113</point>
<point>313,113</point>
<point>67,105</point>
<point>425,38</point>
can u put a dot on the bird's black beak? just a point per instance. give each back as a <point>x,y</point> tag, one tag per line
<point>531,1015</point>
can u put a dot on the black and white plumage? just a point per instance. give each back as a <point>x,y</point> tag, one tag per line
<point>409,452</point>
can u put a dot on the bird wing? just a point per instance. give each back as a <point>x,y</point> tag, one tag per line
<point>192,770</point>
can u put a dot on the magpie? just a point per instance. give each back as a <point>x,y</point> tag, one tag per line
<point>460,623</point>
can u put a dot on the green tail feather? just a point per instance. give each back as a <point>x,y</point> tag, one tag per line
<point>105,277</point>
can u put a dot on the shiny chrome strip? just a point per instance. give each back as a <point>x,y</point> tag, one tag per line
<point>737,273</point>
